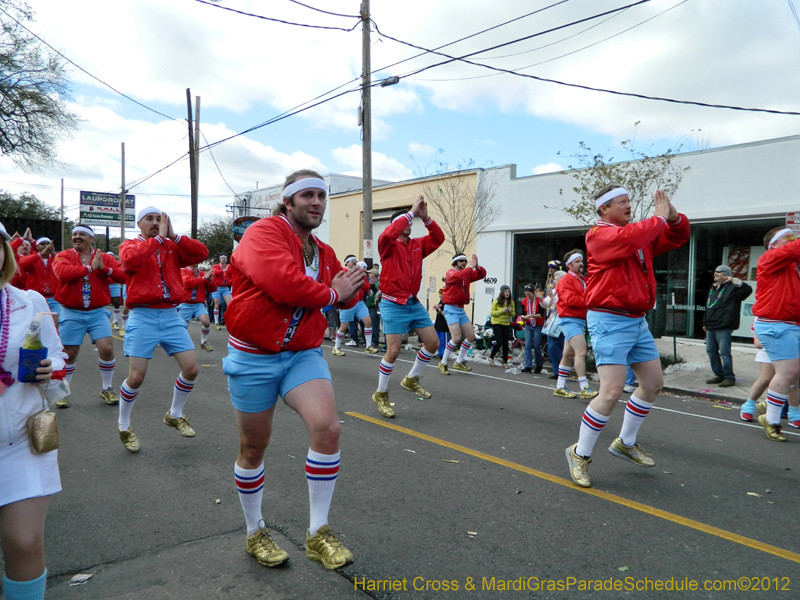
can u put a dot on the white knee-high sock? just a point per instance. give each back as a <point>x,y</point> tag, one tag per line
<point>775,402</point>
<point>635,411</point>
<point>183,387</point>
<point>107,371</point>
<point>448,349</point>
<point>128,397</point>
<point>321,473</point>
<point>204,331</point>
<point>563,373</point>
<point>385,372</point>
<point>368,336</point>
<point>591,426</point>
<point>70,372</point>
<point>423,358</point>
<point>216,317</point>
<point>250,485</point>
<point>339,338</point>
<point>465,347</point>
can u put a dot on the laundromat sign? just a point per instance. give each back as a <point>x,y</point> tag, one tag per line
<point>793,222</point>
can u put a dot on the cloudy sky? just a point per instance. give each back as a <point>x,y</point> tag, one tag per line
<point>249,70</point>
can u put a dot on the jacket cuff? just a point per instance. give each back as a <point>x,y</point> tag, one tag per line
<point>178,237</point>
<point>334,298</point>
<point>159,239</point>
<point>676,221</point>
<point>429,222</point>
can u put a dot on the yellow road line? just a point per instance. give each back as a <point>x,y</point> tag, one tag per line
<point>655,512</point>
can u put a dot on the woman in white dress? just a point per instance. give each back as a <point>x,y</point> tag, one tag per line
<point>26,479</point>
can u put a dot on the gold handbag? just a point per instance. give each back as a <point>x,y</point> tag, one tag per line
<point>43,429</point>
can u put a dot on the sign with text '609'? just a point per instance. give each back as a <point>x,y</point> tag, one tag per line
<point>101,209</point>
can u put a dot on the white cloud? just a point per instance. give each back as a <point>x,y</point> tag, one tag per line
<point>547,168</point>
<point>418,149</point>
<point>383,167</point>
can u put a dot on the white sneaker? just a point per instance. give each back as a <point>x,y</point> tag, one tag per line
<point>351,343</point>
<point>628,389</point>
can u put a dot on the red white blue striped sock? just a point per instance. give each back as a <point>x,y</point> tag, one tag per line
<point>125,320</point>
<point>451,346</point>
<point>70,369</point>
<point>583,382</point>
<point>204,331</point>
<point>116,315</point>
<point>591,426</point>
<point>775,402</point>
<point>423,358</point>
<point>635,411</point>
<point>107,371</point>
<point>465,348</point>
<point>368,336</point>
<point>563,373</point>
<point>183,388</point>
<point>339,338</point>
<point>250,485</point>
<point>385,372</point>
<point>128,396</point>
<point>216,317</point>
<point>321,473</point>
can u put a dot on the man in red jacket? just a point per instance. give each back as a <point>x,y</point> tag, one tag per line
<point>222,284</point>
<point>457,283</point>
<point>777,323</point>
<point>401,311</point>
<point>282,277</point>
<point>621,288</point>
<point>38,267</point>
<point>152,262</point>
<point>197,286</point>
<point>84,273</point>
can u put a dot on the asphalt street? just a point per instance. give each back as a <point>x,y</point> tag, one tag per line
<point>464,495</point>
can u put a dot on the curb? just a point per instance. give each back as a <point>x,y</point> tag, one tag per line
<point>702,395</point>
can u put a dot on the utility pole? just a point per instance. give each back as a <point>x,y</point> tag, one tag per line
<point>366,143</point>
<point>193,183</point>
<point>122,200</point>
<point>196,162</point>
<point>62,214</point>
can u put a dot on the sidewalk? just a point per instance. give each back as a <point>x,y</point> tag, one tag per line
<point>689,378</point>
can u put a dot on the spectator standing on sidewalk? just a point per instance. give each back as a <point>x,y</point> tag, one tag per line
<point>555,344</point>
<point>723,308</point>
<point>372,298</point>
<point>533,314</point>
<point>501,313</point>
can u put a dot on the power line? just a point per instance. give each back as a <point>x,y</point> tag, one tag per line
<point>325,11</point>
<point>574,85</point>
<point>794,13</point>
<point>217,165</point>
<point>247,14</point>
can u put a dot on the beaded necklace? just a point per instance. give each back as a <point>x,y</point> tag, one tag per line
<point>5,317</point>
<point>710,304</point>
<point>314,262</point>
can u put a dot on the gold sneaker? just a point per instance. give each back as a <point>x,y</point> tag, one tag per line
<point>261,547</point>
<point>206,347</point>
<point>564,393</point>
<point>412,385</point>
<point>634,454</point>
<point>337,352</point>
<point>129,440</point>
<point>578,467</point>
<point>382,400</point>
<point>325,548</point>
<point>122,332</point>
<point>181,424</point>
<point>371,350</point>
<point>761,407</point>
<point>63,403</point>
<point>110,396</point>
<point>115,327</point>
<point>588,392</point>
<point>218,326</point>
<point>443,368</point>
<point>773,431</point>
<point>461,366</point>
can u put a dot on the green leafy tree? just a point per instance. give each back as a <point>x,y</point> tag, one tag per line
<point>217,235</point>
<point>640,173</point>
<point>33,92</point>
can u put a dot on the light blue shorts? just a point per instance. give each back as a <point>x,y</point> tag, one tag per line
<point>115,289</point>
<point>149,327</point>
<point>221,291</point>
<point>358,312</point>
<point>399,319</point>
<point>455,315</point>
<point>780,340</point>
<point>619,340</point>
<point>572,326</point>
<point>256,380</point>
<point>73,325</point>
<point>124,291</point>
<point>192,311</point>
<point>54,306</point>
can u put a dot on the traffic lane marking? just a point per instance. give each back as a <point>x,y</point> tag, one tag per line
<point>650,510</point>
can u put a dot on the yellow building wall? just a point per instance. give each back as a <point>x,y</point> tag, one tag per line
<point>345,235</point>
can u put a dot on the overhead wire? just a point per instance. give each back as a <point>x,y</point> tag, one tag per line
<point>247,14</point>
<point>325,11</point>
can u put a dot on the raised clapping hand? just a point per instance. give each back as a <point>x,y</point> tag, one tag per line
<point>346,283</point>
<point>474,262</point>
<point>97,261</point>
<point>163,226</point>
<point>661,205</point>
<point>420,208</point>
<point>45,371</point>
<point>29,236</point>
<point>49,250</point>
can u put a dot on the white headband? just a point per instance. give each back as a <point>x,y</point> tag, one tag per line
<point>43,240</point>
<point>778,236</point>
<point>608,196</point>
<point>223,256</point>
<point>458,258</point>
<point>84,229</point>
<point>573,257</point>
<point>304,184</point>
<point>150,210</point>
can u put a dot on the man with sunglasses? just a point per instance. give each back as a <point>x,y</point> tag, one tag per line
<point>723,307</point>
